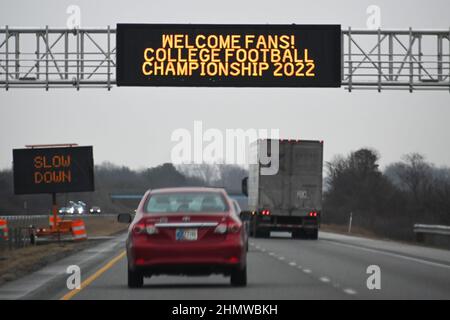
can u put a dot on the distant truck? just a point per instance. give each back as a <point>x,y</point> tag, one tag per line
<point>291,199</point>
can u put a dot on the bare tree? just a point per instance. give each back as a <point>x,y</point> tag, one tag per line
<point>413,174</point>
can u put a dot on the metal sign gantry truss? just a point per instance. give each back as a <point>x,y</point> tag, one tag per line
<point>85,58</point>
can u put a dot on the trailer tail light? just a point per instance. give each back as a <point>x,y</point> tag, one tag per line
<point>313,214</point>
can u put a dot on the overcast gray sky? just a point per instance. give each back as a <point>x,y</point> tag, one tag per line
<point>133,126</point>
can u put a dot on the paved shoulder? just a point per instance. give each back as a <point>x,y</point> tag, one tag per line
<point>46,282</point>
<point>428,254</point>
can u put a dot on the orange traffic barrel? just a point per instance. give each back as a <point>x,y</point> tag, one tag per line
<point>78,230</point>
<point>4,230</point>
<point>51,220</point>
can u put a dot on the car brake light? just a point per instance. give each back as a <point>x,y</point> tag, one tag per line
<point>233,227</point>
<point>151,229</point>
<point>265,212</point>
<point>221,228</point>
<point>138,228</point>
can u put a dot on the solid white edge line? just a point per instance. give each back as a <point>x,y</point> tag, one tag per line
<point>434,264</point>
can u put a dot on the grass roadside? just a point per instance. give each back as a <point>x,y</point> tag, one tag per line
<point>356,231</point>
<point>17,263</point>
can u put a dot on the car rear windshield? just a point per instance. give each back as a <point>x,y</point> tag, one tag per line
<point>183,202</point>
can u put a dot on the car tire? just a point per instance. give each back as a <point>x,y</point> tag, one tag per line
<point>239,277</point>
<point>135,279</point>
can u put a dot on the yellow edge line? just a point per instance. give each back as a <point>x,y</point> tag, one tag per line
<point>92,278</point>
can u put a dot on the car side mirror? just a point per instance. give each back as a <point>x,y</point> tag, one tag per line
<point>244,186</point>
<point>124,218</point>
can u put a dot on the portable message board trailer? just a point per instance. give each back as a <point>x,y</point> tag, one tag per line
<point>56,168</point>
<point>289,199</point>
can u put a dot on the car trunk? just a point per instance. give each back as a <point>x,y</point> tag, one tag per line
<point>184,228</point>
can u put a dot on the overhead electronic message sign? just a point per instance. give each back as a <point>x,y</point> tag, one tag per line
<point>53,170</point>
<point>228,55</point>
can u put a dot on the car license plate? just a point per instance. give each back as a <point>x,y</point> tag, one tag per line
<point>186,234</point>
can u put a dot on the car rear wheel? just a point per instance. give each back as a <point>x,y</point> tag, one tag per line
<point>135,279</point>
<point>239,277</point>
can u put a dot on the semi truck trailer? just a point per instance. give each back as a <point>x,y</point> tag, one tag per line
<point>291,198</point>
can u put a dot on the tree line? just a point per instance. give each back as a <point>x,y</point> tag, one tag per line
<point>387,202</point>
<point>111,179</point>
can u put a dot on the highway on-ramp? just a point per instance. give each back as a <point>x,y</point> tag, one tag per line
<point>333,267</point>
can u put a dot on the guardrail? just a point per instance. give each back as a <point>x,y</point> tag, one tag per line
<point>432,234</point>
<point>435,229</point>
<point>19,233</point>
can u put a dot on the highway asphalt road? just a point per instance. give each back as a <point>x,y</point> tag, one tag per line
<point>334,267</point>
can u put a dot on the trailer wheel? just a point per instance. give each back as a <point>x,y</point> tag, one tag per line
<point>314,235</point>
<point>297,234</point>
<point>261,233</point>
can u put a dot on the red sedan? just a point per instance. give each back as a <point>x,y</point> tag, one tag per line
<point>186,231</point>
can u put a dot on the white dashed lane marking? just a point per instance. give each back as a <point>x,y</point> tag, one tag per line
<point>350,291</point>
<point>323,279</point>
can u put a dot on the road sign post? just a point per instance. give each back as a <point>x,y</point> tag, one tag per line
<point>350,222</point>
